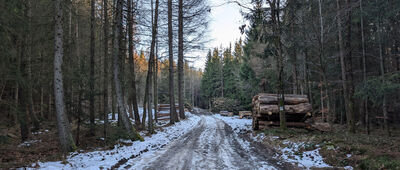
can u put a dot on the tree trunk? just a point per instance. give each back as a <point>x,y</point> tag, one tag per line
<point>275,15</point>
<point>64,133</point>
<point>155,92</point>
<point>382,70</point>
<point>150,68</point>
<point>349,72</point>
<point>180,61</point>
<point>324,82</point>
<point>173,114</point>
<point>132,63</point>
<point>118,88</point>
<point>364,64</point>
<point>91,78</point>
<point>29,86</point>
<point>105,67</point>
<point>20,95</point>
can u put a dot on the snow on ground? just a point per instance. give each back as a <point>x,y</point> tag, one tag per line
<point>291,153</point>
<point>306,159</point>
<point>110,120</point>
<point>108,158</point>
<point>29,143</point>
<point>237,124</point>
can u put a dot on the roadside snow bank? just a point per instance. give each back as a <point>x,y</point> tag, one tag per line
<point>108,158</point>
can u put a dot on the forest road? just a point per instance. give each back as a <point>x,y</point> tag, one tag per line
<point>212,144</point>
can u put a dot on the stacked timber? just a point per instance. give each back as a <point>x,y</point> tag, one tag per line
<point>245,114</point>
<point>266,111</point>
<point>222,104</point>
<point>163,111</point>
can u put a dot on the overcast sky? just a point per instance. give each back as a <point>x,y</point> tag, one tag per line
<point>223,29</point>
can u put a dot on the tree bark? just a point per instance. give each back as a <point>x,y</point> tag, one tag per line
<point>20,95</point>
<point>29,86</point>
<point>275,16</point>
<point>64,133</point>
<point>91,78</point>
<point>382,70</point>
<point>324,82</point>
<point>173,114</point>
<point>118,88</point>
<point>155,92</point>
<point>150,68</point>
<point>180,61</point>
<point>105,67</point>
<point>132,63</point>
<point>364,64</point>
<point>349,72</point>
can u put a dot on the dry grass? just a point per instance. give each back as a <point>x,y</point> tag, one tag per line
<point>374,151</point>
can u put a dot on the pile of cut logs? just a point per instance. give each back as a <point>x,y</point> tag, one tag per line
<point>163,111</point>
<point>266,111</point>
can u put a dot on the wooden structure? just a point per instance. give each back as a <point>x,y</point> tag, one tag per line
<point>244,114</point>
<point>163,111</point>
<point>266,112</point>
<point>226,113</point>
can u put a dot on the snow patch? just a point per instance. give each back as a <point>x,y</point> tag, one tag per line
<point>291,153</point>
<point>108,158</point>
<point>238,125</point>
<point>29,143</point>
<point>307,159</point>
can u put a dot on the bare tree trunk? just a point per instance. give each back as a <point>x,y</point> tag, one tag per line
<point>173,114</point>
<point>275,15</point>
<point>155,92</point>
<point>382,70</point>
<point>91,78</point>
<point>50,108</point>
<point>118,88</point>
<point>180,62</point>
<point>324,82</point>
<point>150,68</point>
<point>41,102</point>
<point>105,67</point>
<point>349,72</point>
<point>132,63</point>
<point>364,63</point>
<point>64,133</point>
<point>29,87</point>
<point>20,96</point>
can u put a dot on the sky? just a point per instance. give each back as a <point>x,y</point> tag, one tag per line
<point>223,28</point>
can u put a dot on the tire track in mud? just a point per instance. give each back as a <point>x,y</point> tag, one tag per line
<point>212,144</point>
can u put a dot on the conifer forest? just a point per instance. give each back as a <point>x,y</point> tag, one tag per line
<point>200,84</point>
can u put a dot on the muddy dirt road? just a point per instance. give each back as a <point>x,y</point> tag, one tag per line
<point>212,144</point>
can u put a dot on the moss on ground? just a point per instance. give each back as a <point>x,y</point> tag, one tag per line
<point>340,148</point>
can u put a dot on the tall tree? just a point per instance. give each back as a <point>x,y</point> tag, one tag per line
<point>91,79</point>
<point>116,69</point>
<point>150,68</point>
<point>172,110</point>
<point>105,67</point>
<point>180,61</point>
<point>132,63</point>
<point>155,92</point>
<point>349,70</point>
<point>275,9</point>
<point>342,57</point>
<point>29,85</point>
<point>364,65</point>
<point>382,72</point>
<point>64,133</point>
